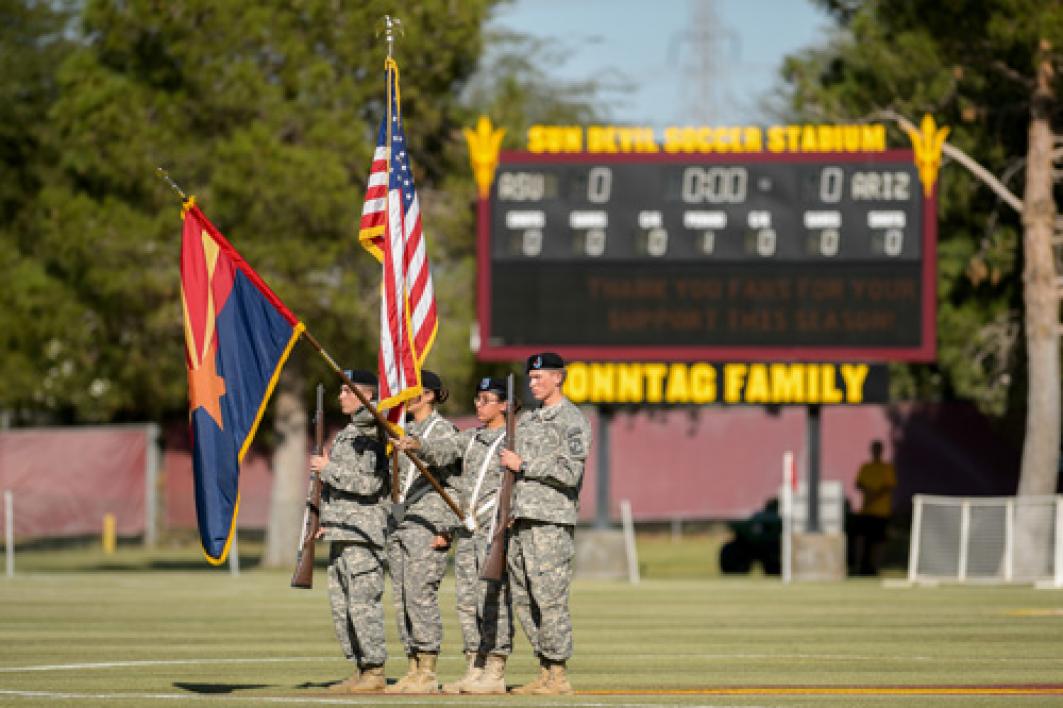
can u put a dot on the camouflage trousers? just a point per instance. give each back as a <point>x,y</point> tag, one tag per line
<point>540,575</point>
<point>355,588</point>
<point>483,607</point>
<point>416,571</point>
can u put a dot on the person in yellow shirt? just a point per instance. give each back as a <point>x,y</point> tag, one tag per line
<point>876,480</point>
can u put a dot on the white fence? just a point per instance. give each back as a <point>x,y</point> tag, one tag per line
<point>987,540</point>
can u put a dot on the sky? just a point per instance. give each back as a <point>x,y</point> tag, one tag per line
<point>658,46</point>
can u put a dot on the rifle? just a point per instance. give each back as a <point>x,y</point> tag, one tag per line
<point>396,477</point>
<point>303,577</point>
<point>495,563</point>
<point>398,507</point>
<point>466,519</point>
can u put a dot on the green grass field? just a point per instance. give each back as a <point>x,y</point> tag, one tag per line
<point>140,628</point>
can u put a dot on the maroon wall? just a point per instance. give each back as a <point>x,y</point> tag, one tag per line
<point>698,463</point>
<point>717,462</point>
<point>64,480</point>
<point>725,462</point>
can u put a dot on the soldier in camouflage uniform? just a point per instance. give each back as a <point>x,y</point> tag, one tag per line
<point>417,548</point>
<point>354,476</point>
<point>483,606</point>
<point>552,446</point>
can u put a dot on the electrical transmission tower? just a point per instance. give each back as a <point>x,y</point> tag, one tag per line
<point>700,54</point>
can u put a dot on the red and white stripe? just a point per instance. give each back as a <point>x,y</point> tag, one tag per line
<point>376,192</point>
<point>419,290</point>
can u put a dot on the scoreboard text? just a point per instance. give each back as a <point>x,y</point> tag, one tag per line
<point>673,257</point>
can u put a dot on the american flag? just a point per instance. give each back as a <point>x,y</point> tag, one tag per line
<point>391,230</point>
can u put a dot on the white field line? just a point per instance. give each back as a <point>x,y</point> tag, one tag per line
<point>678,655</point>
<point>345,700</point>
<point>164,662</point>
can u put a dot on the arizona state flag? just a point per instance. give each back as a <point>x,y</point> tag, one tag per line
<point>238,335</point>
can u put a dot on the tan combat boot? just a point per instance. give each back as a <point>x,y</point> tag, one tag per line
<point>345,685</point>
<point>371,681</point>
<point>425,680</point>
<point>493,678</point>
<point>411,671</point>
<point>539,681</point>
<point>473,670</point>
<point>556,681</point>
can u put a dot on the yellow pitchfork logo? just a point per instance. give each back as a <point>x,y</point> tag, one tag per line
<point>484,144</point>
<point>928,141</point>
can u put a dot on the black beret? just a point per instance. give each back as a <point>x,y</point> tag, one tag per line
<point>361,376</point>
<point>430,380</point>
<point>545,360</point>
<point>493,385</point>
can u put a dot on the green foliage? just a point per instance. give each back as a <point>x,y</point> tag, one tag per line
<point>268,113</point>
<point>970,64</point>
<point>31,44</point>
<point>36,307</point>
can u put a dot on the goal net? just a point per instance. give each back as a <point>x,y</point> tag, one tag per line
<point>986,540</point>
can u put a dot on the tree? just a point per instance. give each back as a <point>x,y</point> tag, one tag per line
<point>34,305</point>
<point>990,70</point>
<point>268,113</point>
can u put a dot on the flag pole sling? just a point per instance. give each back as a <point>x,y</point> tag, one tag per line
<point>383,423</point>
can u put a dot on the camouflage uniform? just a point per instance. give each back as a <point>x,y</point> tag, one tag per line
<point>354,483</point>
<point>483,606</point>
<point>416,567</point>
<point>553,442</point>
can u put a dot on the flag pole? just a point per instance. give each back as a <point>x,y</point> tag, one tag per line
<point>466,519</point>
<point>390,26</point>
<point>389,36</point>
<point>164,175</point>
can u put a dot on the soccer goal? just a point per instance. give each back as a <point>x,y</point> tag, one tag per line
<point>987,540</point>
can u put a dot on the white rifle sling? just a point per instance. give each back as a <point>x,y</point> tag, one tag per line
<point>480,477</point>
<point>411,472</point>
<point>487,506</point>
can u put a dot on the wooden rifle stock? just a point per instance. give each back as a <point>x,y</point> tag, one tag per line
<point>495,563</point>
<point>303,577</point>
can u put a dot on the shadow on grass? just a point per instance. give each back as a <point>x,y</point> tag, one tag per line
<point>247,562</point>
<point>217,687</point>
<point>332,682</point>
<point>318,684</point>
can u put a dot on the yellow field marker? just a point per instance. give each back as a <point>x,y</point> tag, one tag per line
<point>110,533</point>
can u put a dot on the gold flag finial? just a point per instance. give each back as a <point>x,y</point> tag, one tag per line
<point>484,144</point>
<point>927,142</point>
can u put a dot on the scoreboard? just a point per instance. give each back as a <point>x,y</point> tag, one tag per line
<point>804,256</point>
